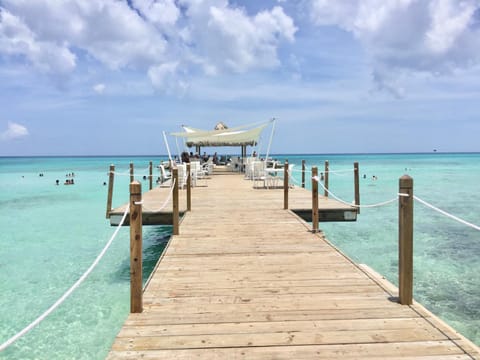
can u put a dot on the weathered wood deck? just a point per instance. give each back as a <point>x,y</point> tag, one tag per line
<point>246,279</point>
<point>300,202</point>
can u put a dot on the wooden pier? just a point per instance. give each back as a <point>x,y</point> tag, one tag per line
<point>246,279</point>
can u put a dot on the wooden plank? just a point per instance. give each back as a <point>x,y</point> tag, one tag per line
<point>267,326</point>
<point>427,350</point>
<point>274,339</point>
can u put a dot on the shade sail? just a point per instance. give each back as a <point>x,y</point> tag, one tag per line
<point>238,136</point>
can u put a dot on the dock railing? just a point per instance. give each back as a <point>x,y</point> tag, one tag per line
<point>405,223</point>
<point>131,172</point>
<point>324,177</point>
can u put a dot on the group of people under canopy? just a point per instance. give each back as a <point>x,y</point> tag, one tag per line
<point>221,136</point>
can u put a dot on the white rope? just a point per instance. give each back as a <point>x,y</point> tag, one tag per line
<point>340,171</point>
<point>166,201</point>
<point>135,175</point>
<point>142,175</point>
<point>127,172</point>
<point>337,172</point>
<point>330,171</point>
<point>37,321</point>
<point>473,226</point>
<point>355,205</point>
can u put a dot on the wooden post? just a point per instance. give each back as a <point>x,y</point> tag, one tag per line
<point>111,177</point>
<point>303,174</point>
<point>325,182</point>
<point>189,187</point>
<point>315,181</point>
<point>357,186</point>
<point>131,173</point>
<point>150,172</point>
<point>175,214</point>
<point>405,240</point>
<point>136,282</point>
<point>285,185</point>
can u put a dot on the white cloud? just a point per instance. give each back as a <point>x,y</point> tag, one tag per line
<point>229,39</point>
<point>142,35</point>
<point>108,31</point>
<point>166,77</point>
<point>16,38</point>
<point>14,131</point>
<point>408,36</point>
<point>99,88</point>
<point>163,13</point>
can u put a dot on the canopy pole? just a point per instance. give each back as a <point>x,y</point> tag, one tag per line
<point>178,148</point>
<point>271,138</point>
<point>166,144</point>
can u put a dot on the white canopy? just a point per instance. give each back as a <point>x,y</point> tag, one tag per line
<point>239,136</point>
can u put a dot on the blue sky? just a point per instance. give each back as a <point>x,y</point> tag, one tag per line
<point>106,77</point>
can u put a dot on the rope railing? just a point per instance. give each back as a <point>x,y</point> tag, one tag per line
<point>387,202</point>
<point>329,171</point>
<point>443,212</point>
<point>42,317</point>
<point>137,175</point>
<point>123,173</point>
<point>170,193</point>
<point>340,172</point>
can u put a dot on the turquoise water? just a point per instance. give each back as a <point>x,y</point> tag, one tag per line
<point>51,234</point>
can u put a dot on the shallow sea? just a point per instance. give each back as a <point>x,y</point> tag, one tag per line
<point>51,234</point>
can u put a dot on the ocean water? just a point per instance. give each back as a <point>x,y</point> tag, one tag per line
<point>51,234</point>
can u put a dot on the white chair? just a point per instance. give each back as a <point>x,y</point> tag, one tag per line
<point>258,173</point>
<point>164,176</point>
<point>275,177</point>
<point>182,175</point>
<point>249,168</point>
<point>208,166</point>
<point>196,172</point>
<point>235,164</point>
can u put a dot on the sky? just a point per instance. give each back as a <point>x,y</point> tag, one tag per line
<point>106,77</point>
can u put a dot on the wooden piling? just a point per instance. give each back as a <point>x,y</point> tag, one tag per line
<point>285,185</point>
<point>357,186</point>
<point>136,281</point>
<point>189,187</point>
<point>111,177</point>
<point>176,215</point>
<point>405,237</point>
<point>325,182</point>
<point>303,174</point>
<point>150,175</point>
<point>131,173</point>
<point>315,181</point>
